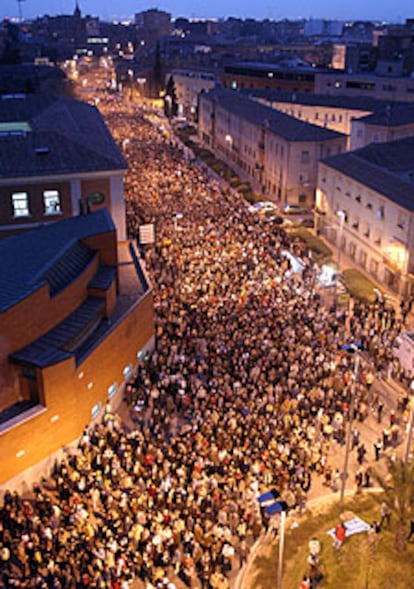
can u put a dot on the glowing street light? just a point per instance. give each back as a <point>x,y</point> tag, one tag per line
<point>342,215</point>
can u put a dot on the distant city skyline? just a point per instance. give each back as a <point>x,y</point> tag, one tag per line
<point>104,9</point>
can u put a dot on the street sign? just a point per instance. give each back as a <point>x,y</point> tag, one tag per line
<point>146,234</point>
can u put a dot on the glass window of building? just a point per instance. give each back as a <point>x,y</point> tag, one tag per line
<point>51,200</point>
<point>20,204</point>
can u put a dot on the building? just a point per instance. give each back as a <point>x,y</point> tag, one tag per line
<point>57,158</point>
<point>374,187</point>
<point>268,75</point>
<point>393,121</point>
<point>152,25</point>
<point>33,77</point>
<point>364,120</point>
<point>76,310</point>
<point>276,152</point>
<point>383,87</point>
<point>189,84</point>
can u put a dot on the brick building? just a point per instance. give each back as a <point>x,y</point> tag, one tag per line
<point>76,312</point>
<point>57,158</point>
<point>268,75</point>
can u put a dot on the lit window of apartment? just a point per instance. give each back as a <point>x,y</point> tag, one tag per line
<point>51,201</point>
<point>20,204</point>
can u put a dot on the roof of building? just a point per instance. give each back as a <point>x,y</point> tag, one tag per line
<point>364,103</point>
<point>62,341</point>
<point>380,166</point>
<point>281,124</point>
<point>391,115</point>
<point>261,66</point>
<point>51,254</point>
<point>65,136</point>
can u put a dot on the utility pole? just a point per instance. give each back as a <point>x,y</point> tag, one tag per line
<point>344,474</point>
<point>281,549</point>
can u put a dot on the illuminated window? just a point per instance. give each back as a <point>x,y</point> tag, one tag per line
<point>20,204</point>
<point>51,201</point>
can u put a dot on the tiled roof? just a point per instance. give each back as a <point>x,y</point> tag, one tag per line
<point>50,254</point>
<point>380,167</point>
<point>391,115</point>
<point>281,124</point>
<point>61,342</point>
<point>66,136</point>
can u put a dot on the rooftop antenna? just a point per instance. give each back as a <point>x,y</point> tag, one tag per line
<point>20,2</point>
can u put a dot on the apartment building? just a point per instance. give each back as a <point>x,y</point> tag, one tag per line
<point>57,159</point>
<point>276,152</point>
<point>364,120</point>
<point>383,87</point>
<point>189,84</point>
<point>374,189</point>
<point>76,312</point>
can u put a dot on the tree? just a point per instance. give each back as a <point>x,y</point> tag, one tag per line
<point>170,99</point>
<point>398,487</point>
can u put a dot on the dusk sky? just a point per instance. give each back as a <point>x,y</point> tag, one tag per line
<point>123,9</point>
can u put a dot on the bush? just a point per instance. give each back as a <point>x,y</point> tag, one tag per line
<point>359,286</point>
<point>320,251</point>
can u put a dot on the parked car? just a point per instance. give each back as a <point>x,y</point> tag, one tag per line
<point>263,207</point>
<point>293,209</point>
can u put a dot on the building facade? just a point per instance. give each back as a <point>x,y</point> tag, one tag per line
<point>189,84</point>
<point>61,364</point>
<point>363,120</point>
<point>237,76</point>
<point>374,189</point>
<point>276,152</point>
<point>340,83</point>
<point>57,159</point>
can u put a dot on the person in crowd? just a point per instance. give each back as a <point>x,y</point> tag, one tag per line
<point>247,389</point>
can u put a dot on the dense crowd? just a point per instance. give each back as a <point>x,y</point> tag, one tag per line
<point>247,390</point>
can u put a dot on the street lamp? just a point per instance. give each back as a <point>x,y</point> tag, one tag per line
<point>411,425</point>
<point>355,348</point>
<point>281,549</point>
<point>341,214</point>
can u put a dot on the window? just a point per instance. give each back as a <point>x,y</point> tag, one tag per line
<point>305,157</point>
<point>374,267</point>
<point>51,201</point>
<point>401,221</point>
<point>20,204</point>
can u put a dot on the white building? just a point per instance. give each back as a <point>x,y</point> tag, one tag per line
<point>189,84</point>
<point>374,187</point>
<point>276,152</point>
